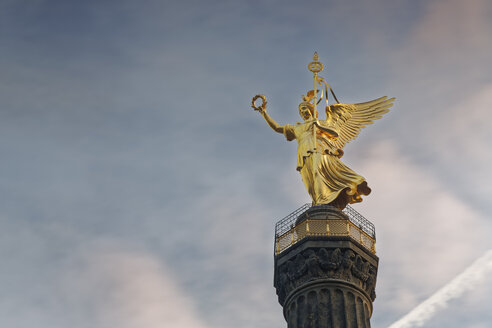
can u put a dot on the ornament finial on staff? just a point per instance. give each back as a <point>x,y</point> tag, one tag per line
<point>315,66</point>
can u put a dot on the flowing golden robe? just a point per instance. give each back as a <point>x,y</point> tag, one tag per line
<point>327,179</point>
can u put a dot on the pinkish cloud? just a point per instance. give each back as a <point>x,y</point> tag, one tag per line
<point>113,287</point>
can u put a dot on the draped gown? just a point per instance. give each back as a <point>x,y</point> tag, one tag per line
<point>327,179</point>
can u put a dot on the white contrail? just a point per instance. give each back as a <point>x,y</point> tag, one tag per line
<point>466,280</point>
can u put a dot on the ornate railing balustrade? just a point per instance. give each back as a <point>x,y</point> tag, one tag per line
<point>298,225</point>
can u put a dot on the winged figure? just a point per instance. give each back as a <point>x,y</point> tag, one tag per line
<point>320,146</point>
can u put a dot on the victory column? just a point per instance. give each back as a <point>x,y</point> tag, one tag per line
<point>325,256</point>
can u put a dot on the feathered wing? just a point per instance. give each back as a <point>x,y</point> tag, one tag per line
<point>348,120</point>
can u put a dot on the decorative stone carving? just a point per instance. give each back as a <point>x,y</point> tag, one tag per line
<point>322,263</point>
<point>312,265</point>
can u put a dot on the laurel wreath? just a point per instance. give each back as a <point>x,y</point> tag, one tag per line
<point>262,107</point>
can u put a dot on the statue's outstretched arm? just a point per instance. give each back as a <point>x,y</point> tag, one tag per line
<point>262,109</point>
<point>274,125</point>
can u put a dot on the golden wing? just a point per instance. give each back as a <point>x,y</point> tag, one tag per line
<point>348,120</point>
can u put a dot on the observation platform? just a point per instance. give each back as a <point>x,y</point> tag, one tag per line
<point>317,221</point>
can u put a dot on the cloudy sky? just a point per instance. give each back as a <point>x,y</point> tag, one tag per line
<point>139,189</point>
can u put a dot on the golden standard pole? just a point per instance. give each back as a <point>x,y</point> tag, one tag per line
<point>315,66</point>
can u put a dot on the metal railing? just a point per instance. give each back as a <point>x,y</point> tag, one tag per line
<point>289,231</point>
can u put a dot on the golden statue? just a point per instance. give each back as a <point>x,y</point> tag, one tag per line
<point>320,142</point>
